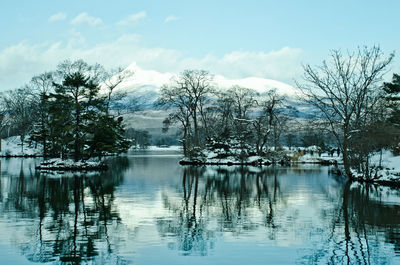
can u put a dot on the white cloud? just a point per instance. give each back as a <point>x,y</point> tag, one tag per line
<point>60,16</point>
<point>282,65</point>
<point>84,18</point>
<point>170,18</point>
<point>132,19</point>
<point>22,61</point>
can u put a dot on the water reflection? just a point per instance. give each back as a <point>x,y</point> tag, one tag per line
<point>363,221</point>
<point>242,200</point>
<point>69,215</point>
<point>216,200</point>
<point>299,215</point>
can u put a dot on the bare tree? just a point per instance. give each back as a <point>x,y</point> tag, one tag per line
<point>96,71</point>
<point>41,86</point>
<point>173,97</point>
<point>243,100</point>
<point>225,110</point>
<point>21,110</point>
<point>268,120</point>
<point>188,93</point>
<point>344,90</point>
<point>112,79</point>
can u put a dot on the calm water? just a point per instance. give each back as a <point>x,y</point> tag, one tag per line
<point>149,210</point>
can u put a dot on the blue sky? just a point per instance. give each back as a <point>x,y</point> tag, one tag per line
<point>269,39</point>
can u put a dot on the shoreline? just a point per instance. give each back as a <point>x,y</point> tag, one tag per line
<point>395,183</point>
<point>258,161</point>
<point>20,156</point>
<point>71,165</point>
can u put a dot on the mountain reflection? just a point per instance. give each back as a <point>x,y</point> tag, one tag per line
<point>71,214</point>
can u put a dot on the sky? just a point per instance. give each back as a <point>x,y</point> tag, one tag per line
<point>237,39</point>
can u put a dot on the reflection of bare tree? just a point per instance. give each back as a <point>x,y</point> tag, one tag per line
<point>219,199</point>
<point>359,221</point>
<point>73,214</point>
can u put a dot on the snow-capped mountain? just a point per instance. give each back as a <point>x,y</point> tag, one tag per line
<point>146,84</point>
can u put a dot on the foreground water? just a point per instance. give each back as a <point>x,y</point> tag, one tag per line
<point>149,210</point>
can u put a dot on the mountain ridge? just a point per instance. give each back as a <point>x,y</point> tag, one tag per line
<point>150,80</point>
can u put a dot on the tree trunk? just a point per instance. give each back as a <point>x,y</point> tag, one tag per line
<point>22,143</point>
<point>346,160</point>
<point>196,129</point>
<point>77,125</point>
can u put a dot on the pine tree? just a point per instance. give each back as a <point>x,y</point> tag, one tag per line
<point>80,123</point>
<point>60,125</point>
<point>393,99</point>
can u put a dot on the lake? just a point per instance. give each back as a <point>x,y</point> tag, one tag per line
<point>147,209</point>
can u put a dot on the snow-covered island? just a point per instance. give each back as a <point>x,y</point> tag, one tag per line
<point>385,168</point>
<point>12,147</point>
<point>71,165</point>
<point>234,153</point>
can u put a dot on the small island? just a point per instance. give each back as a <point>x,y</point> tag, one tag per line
<point>70,122</point>
<point>71,165</point>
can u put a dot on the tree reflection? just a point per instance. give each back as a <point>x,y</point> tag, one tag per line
<point>219,199</point>
<point>362,219</point>
<point>74,219</point>
<point>73,213</point>
<point>351,225</point>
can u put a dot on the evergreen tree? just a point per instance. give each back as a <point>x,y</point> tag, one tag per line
<point>78,95</point>
<point>60,125</point>
<point>393,99</point>
<point>80,123</point>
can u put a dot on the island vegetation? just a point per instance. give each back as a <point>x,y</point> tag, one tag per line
<point>65,113</point>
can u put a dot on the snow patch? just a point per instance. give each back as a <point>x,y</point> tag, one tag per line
<point>12,146</point>
<point>71,165</point>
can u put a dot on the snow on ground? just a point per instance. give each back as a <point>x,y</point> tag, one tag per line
<point>11,146</point>
<point>390,164</point>
<point>70,164</point>
<point>313,156</point>
<point>165,148</point>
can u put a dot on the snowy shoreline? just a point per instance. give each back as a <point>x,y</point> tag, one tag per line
<point>71,165</point>
<point>387,175</point>
<point>22,156</point>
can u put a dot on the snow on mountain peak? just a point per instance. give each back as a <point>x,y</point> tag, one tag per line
<point>143,77</point>
<point>150,80</point>
<point>261,85</point>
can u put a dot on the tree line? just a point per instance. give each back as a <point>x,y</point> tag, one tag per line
<point>65,112</point>
<point>353,107</point>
